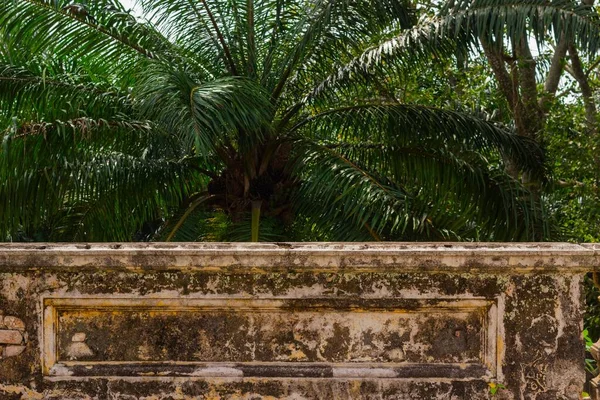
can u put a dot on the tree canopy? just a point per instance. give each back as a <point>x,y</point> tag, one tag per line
<point>202,120</point>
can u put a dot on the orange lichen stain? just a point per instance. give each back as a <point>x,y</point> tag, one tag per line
<point>213,395</point>
<point>296,354</point>
<point>84,313</point>
<point>499,347</point>
<point>354,389</point>
<point>147,373</point>
<point>178,395</point>
<point>23,391</point>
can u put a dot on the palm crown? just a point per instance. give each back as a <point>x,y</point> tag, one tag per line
<point>211,114</point>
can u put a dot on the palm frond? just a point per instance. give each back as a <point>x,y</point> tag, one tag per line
<point>47,169</point>
<point>316,37</point>
<point>211,112</point>
<point>429,171</point>
<point>458,29</point>
<point>441,201</point>
<point>48,96</point>
<point>575,21</point>
<point>402,125</point>
<point>39,27</point>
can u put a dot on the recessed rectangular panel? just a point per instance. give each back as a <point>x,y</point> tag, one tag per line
<point>391,338</point>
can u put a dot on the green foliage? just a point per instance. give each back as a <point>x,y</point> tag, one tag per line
<point>171,126</point>
<point>573,151</point>
<point>590,364</point>
<point>592,315</point>
<point>495,387</point>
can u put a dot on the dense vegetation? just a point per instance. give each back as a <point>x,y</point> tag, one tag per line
<point>201,121</point>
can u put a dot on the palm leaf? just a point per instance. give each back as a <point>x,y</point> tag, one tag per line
<point>407,171</point>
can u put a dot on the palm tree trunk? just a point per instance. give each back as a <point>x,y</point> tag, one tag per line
<point>256,204</point>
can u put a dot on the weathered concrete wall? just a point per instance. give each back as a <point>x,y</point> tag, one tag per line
<point>292,321</point>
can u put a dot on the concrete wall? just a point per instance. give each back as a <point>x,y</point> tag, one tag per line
<point>292,321</point>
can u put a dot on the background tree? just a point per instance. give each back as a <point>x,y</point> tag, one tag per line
<point>528,88</point>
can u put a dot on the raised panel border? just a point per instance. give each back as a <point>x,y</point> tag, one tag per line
<point>55,368</point>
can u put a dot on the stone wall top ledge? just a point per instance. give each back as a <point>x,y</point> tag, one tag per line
<point>270,257</point>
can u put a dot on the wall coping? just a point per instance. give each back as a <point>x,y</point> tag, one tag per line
<point>271,257</point>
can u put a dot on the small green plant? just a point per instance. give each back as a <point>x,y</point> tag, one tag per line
<point>590,364</point>
<point>494,387</point>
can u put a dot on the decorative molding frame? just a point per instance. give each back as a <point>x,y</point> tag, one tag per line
<point>56,365</point>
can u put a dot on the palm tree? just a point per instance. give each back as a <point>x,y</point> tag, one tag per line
<point>203,118</point>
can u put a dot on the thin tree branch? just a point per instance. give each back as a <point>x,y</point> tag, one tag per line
<point>592,67</point>
<point>554,74</point>
<point>239,37</point>
<point>577,72</point>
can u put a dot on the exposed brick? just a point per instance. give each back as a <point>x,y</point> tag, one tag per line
<point>11,351</point>
<point>10,337</point>
<point>14,323</point>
